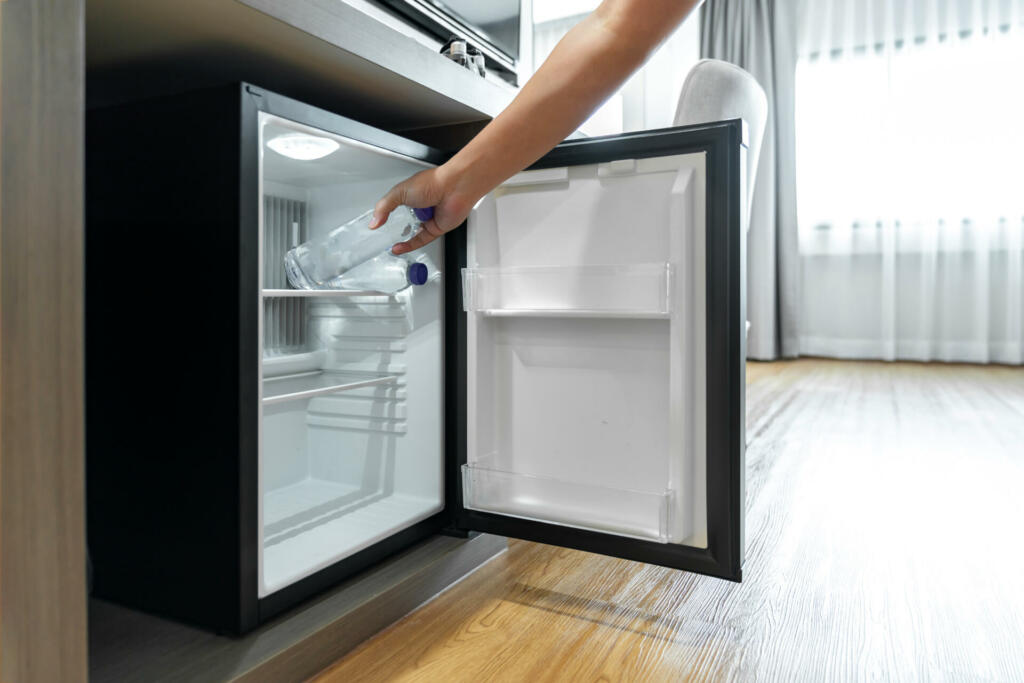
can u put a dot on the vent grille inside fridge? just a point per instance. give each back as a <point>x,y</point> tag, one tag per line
<point>284,319</point>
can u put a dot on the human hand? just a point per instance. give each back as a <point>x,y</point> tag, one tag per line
<point>434,187</point>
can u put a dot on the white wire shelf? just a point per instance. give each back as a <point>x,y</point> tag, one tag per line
<point>308,385</point>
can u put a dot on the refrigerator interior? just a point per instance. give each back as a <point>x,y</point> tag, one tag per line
<point>586,306</point>
<point>351,398</point>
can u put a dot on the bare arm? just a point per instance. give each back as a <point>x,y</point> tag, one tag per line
<point>585,68</point>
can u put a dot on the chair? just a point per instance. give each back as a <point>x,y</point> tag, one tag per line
<point>714,91</point>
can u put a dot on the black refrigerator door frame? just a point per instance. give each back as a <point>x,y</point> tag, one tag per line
<point>253,101</point>
<point>724,145</point>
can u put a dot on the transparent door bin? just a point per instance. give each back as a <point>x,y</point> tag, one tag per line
<point>638,514</point>
<point>600,291</point>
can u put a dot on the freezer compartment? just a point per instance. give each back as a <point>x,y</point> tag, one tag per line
<point>638,514</point>
<point>624,290</point>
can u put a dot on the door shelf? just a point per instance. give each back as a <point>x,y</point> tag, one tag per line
<point>601,291</point>
<point>308,385</point>
<point>637,514</point>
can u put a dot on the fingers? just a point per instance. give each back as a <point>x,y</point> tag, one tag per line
<point>388,203</point>
<point>430,232</point>
<point>395,197</point>
<point>416,192</point>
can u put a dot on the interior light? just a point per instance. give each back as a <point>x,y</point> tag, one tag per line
<point>301,146</point>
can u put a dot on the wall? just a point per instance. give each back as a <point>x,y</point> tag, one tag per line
<point>42,530</point>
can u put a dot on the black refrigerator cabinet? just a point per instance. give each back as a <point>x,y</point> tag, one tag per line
<point>572,373</point>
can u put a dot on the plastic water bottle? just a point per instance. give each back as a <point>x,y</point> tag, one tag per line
<point>318,263</point>
<point>385,273</point>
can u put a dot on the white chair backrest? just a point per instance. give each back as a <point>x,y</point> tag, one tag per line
<point>714,91</point>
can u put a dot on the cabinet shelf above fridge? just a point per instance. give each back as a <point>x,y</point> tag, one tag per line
<point>331,54</point>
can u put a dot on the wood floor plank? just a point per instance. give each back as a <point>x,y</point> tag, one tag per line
<point>884,542</point>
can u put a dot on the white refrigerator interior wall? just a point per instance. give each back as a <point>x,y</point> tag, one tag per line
<point>351,444</point>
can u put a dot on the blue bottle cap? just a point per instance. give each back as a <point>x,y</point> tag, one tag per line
<point>417,273</point>
<point>424,215</point>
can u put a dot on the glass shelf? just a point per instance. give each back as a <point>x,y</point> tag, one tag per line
<point>308,385</point>
<point>606,291</point>
<point>639,514</point>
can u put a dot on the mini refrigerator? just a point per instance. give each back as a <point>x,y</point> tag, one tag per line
<point>572,373</point>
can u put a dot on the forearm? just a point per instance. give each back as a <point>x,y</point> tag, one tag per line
<point>586,67</point>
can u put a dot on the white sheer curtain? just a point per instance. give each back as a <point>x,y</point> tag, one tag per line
<point>648,99</point>
<point>910,167</point>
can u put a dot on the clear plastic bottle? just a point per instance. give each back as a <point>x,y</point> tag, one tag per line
<point>318,263</point>
<point>479,64</point>
<point>385,273</point>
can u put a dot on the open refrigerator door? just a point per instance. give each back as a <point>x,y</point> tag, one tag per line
<point>584,291</point>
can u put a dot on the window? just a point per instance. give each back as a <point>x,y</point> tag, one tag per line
<point>927,133</point>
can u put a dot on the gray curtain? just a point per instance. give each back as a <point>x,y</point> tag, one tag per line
<point>760,36</point>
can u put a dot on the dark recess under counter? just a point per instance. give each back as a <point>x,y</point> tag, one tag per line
<point>126,645</point>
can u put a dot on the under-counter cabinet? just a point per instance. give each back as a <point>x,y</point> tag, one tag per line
<point>572,373</point>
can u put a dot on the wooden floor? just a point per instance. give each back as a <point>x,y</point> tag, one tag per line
<point>885,541</point>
